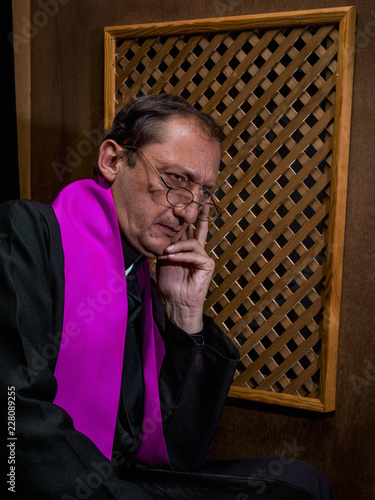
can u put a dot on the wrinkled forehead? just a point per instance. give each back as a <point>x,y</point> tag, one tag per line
<point>193,125</point>
<point>188,149</point>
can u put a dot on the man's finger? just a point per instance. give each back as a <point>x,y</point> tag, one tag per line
<point>185,234</point>
<point>190,231</point>
<point>189,245</point>
<point>199,261</point>
<point>201,231</point>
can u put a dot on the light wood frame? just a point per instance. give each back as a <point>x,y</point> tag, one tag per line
<point>322,400</point>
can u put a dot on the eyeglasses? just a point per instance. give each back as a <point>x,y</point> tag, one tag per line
<point>181,197</point>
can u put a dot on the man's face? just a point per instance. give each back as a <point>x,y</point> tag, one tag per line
<point>187,157</point>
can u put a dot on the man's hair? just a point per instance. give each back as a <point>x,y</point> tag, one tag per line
<point>141,122</point>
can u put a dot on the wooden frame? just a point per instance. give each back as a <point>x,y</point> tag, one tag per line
<point>22,68</point>
<point>329,35</point>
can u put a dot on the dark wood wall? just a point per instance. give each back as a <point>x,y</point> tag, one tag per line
<point>67,86</point>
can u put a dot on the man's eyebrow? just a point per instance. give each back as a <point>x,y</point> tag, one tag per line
<point>211,188</point>
<point>192,174</point>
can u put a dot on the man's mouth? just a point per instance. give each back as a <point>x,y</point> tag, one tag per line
<point>170,231</point>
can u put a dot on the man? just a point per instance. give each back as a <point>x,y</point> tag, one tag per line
<point>116,383</point>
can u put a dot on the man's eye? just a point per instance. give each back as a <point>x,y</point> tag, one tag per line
<point>177,179</point>
<point>205,194</point>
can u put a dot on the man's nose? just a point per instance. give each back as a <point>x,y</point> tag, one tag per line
<point>188,213</point>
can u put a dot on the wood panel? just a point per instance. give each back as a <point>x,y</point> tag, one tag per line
<point>21,10</point>
<point>280,85</point>
<point>67,99</point>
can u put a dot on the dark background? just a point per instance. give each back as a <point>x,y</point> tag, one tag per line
<point>67,85</point>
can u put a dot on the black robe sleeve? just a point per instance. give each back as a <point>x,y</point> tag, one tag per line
<point>194,383</point>
<point>52,459</point>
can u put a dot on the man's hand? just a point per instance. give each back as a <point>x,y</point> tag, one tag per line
<point>183,275</point>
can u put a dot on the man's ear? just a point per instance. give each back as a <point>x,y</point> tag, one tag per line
<point>107,160</point>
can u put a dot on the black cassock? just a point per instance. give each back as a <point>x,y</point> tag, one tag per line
<point>52,459</point>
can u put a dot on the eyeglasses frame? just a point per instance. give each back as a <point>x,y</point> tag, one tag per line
<point>218,209</point>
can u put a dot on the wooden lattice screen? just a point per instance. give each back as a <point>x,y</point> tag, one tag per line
<point>280,85</point>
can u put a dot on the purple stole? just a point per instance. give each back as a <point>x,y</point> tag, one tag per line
<point>90,361</point>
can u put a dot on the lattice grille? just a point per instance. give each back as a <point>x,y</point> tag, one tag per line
<point>273,91</point>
